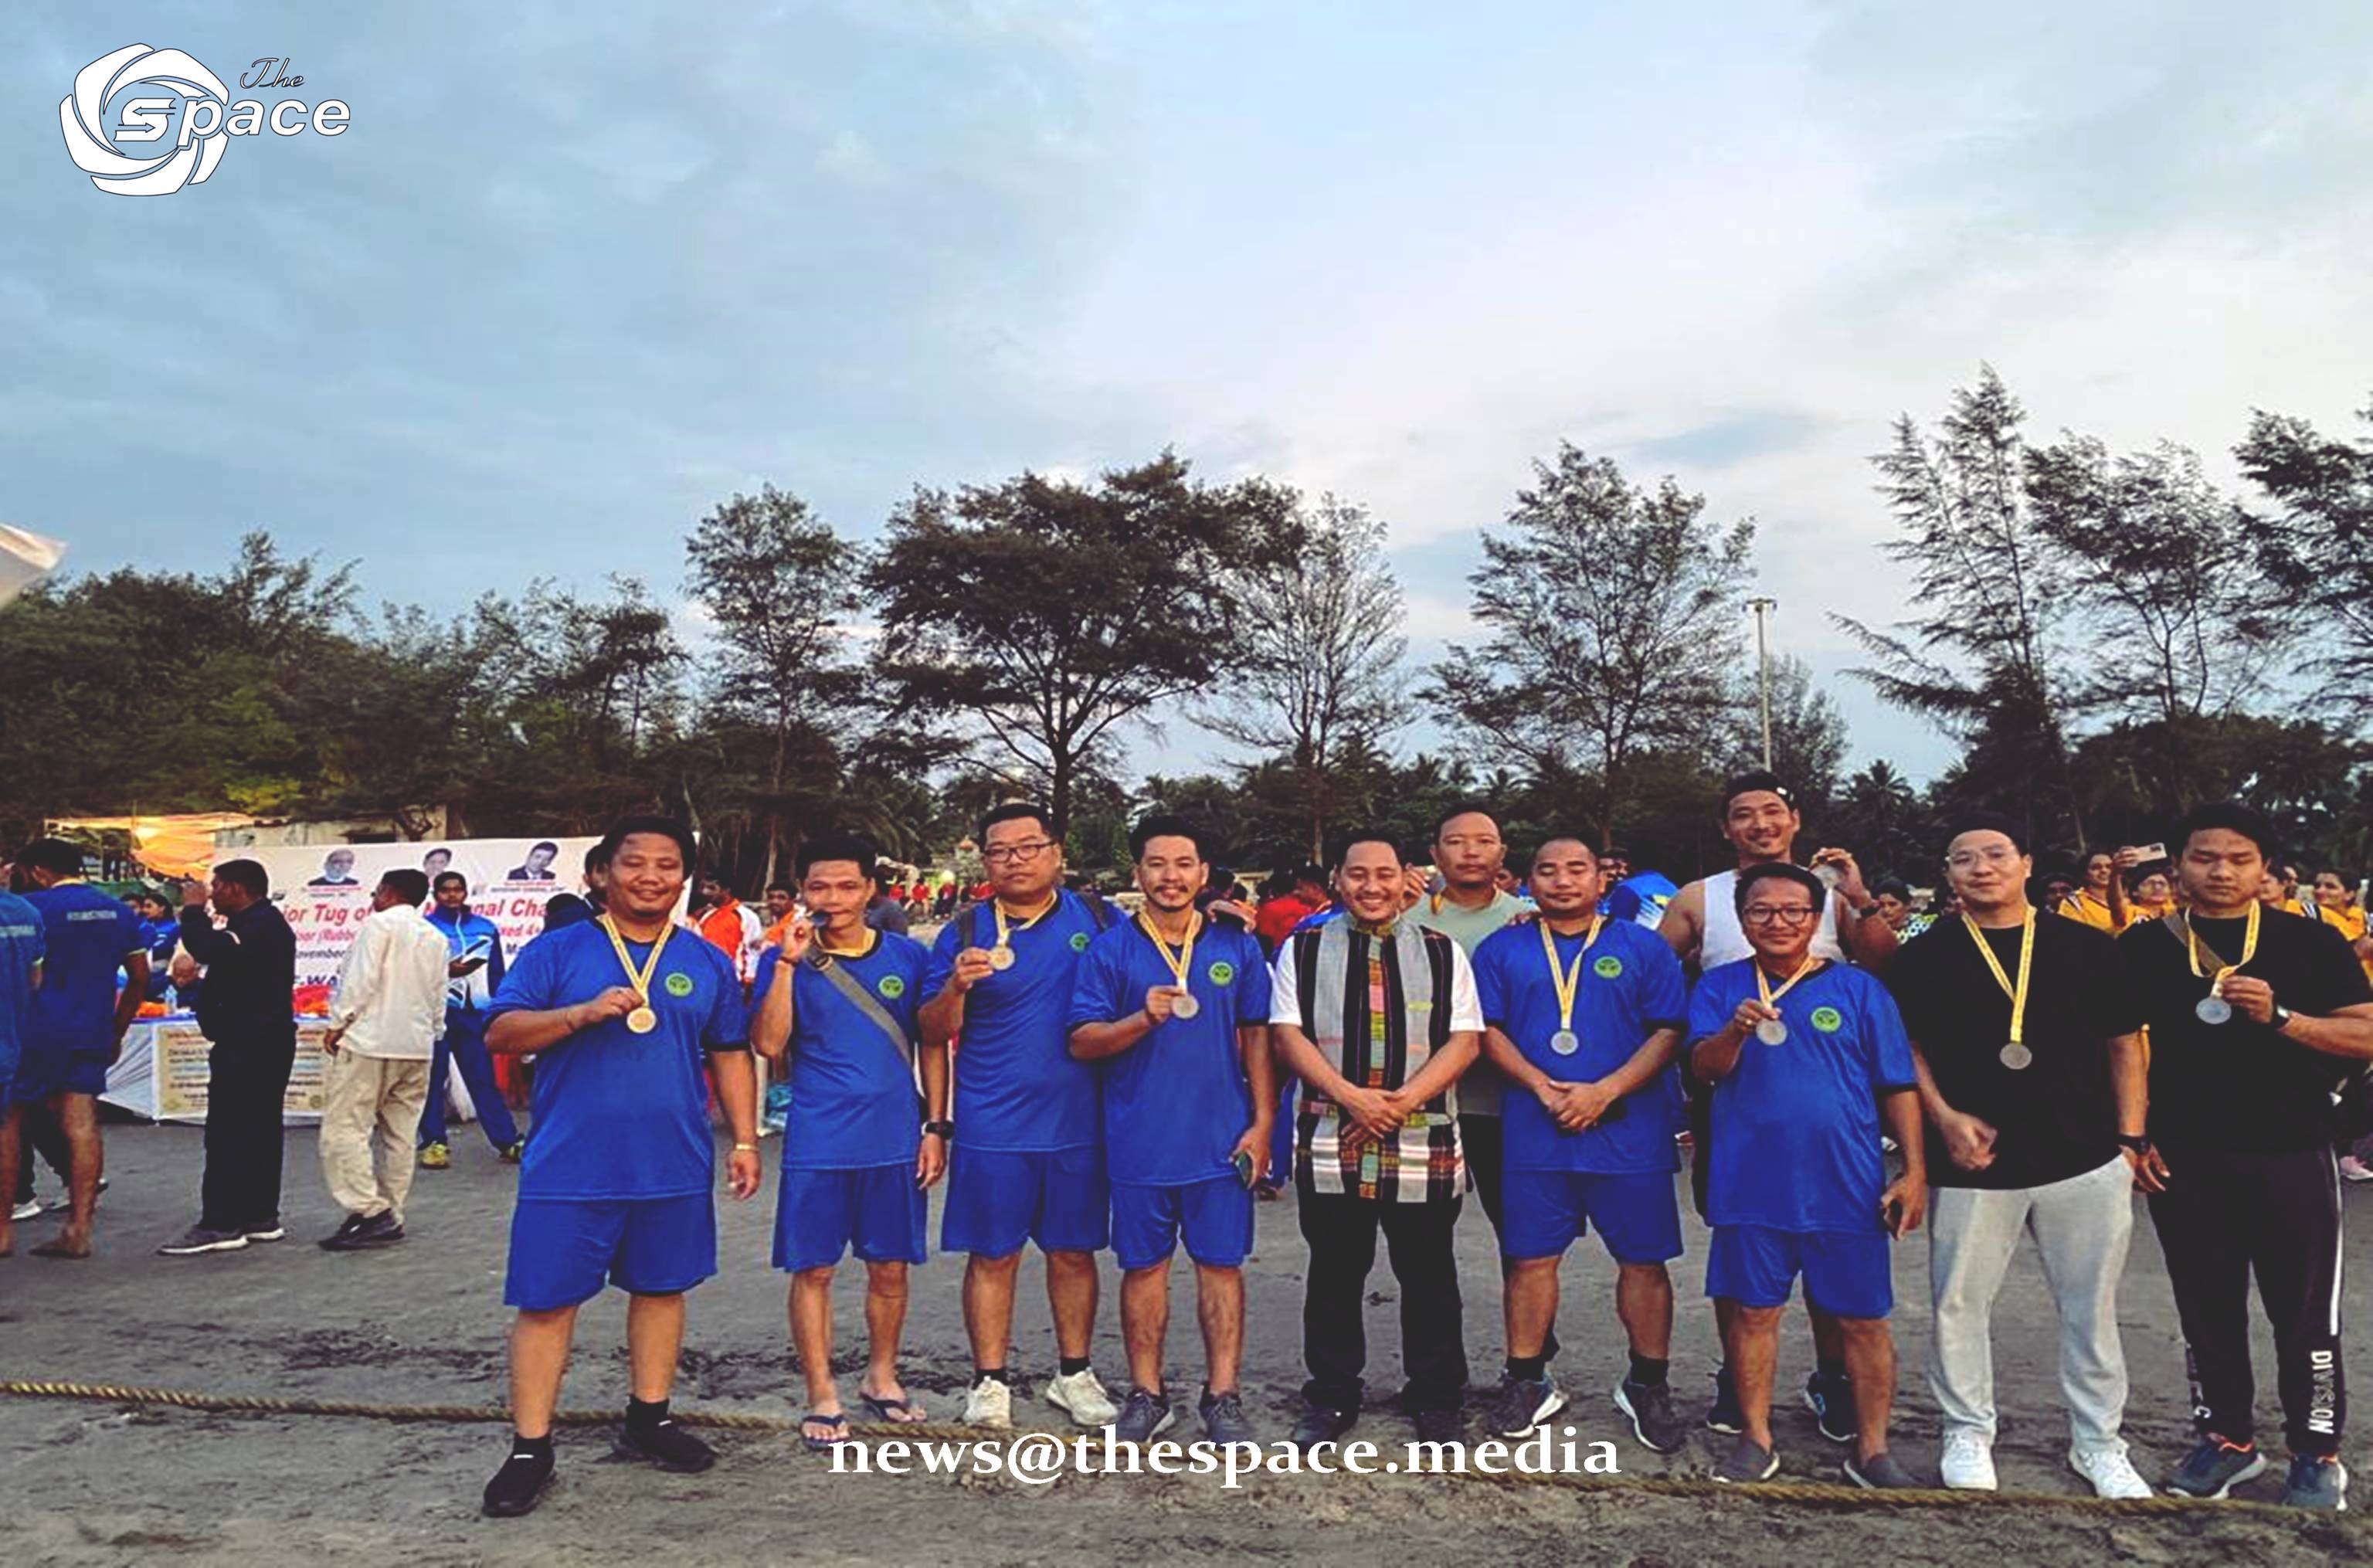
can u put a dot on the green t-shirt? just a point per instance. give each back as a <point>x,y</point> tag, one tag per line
<point>1480,1087</point>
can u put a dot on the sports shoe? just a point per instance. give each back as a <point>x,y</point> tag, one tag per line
<point>2354,1169</point>
<point>1968,1462</point>
<point>519,1486</point>
<point>362,1232</point>
<point>989,1403</point>
<point>1143,1416</point>
<point>1746,1463</point>
<point>509,1154</point>
<point>1082,1397</point>
<point>1321,1423</point>
<point>1831,1401</point>
<point>29,1209</point>
<point>1223,1418</point>
<point>1654,1421</point>
<point>1440,1426</point>
<point>2317,1481</point>
<point>666,1444</point>
<point>2215,1468</point>
<point>1879,1473</point>
<point>435,1157</point>
<point>64,1201</point>
<point>1524,1404</point>
<point>197,1239</point>
<point>270,1230</point>
<point>2112,1473</point>
<point>1723,1415</point>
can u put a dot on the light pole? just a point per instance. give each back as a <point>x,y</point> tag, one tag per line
<point>1763,673</point>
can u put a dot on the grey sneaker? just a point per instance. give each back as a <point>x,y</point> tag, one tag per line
<point>2317,1481</point>
<point>1224,1420</point>
<point>1881,1473</point>
<point>1143,1416</point>
<point>1746,1463</point>
<point>1654,1422</point>
<point>29,1209</point>
<point>1524,1405</point>
<point>198,1239</point>
<point>2215,1468</point>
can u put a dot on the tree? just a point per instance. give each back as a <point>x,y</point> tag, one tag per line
<point>1614,628</point>
<point>2317,545</point>
<point>2161,571</point>
<point>1808,738</point>
<point>1040,614</point>
<point>1878,817</point>
<point>1322,648</point>
<point>779,586</point>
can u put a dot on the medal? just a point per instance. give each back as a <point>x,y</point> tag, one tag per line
<point>1565,1042</point>
<point>643,1018</point>
<point>1772,1031</point>
<point>2213,1008</point>
<point>2016,1055</point>
<point>1000,957</point>
<point>1178,962</point>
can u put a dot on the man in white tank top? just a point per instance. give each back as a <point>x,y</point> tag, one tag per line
<point>1760,818</point>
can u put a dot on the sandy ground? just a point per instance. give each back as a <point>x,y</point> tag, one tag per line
<point>421,1322</point>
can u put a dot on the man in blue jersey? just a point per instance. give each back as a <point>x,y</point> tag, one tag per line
<point>1028,1161</point>
<point>472,977</point>
<point>22,943</point>
<point>861,1146</point>
<point>1804,1054</point>
<point>79,1018</point>
<point>623,1014</point>
<point>1177,1009</point>
<point>1583,1015</point>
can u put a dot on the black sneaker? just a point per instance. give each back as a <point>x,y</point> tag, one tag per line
<point>266,1230</point>
<point>1143,1417</point>
<point>2215,1468</point>
<point>668,1446</point>
<point>1723,1415</point>
<point>1321,1423</point>
<point>1746,1463</point>
<point>519,1485</point>
<point>343,1236</point>
<point>1879,1473</point>
<point>362,1232</point>
<point>2317,1481</point>
<point>1440,1426</point>
<point>1524,1405</point>
<point>198,1239</point>
<point>1831,1401</point>
<point>1654,1421</point>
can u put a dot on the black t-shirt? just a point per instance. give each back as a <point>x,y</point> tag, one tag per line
<point>2056,1118</point>
<point>2239,1086</point>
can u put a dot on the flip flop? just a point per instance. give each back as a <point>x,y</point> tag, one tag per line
<point>897,1412</point>
<point>838,1423</point>
<point>59,1249</point>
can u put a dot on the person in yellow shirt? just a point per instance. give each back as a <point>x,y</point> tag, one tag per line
<point>2153,897</point>
<point>2101,902</point>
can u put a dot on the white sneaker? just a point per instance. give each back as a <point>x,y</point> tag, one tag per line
<point>2112,1473</point>
<point>29,1209</point>
<point>1968,1462</point>
<point>1083,1398</point>
<point>2354,1169</point>
<point>989,1403</point>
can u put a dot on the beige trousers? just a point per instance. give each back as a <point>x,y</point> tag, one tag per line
<point>370,1112</point>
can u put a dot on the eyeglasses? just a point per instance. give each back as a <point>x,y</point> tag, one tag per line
<point>1777,914</point>
<point>1992,854</point>
<point>1002,854</point>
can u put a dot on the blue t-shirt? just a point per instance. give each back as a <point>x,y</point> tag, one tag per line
<point>1176,1101</point>
<point>620,1115</point>
<point>853,1101</point>
<point>22,943</point>
<point>1796,1125</point>
<point>88,935</point>
<point>1631,986</point>
<point>1018,1088</point>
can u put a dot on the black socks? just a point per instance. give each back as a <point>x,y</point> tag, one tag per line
<point>1829,1371</point>
<point>981,1375</point>
<point>1074,1365</point>
<point>1649,1373</point>
<point>644,1418</point>
<point>1528,1369</point>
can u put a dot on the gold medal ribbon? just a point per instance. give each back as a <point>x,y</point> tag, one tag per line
<point>1185,960</point>
<point>1568,983</point>
<point>2018,993</point>
<point>1763,984</point>
<point>641,982</point>
<point>2249,947</point>
<point>997,908</point>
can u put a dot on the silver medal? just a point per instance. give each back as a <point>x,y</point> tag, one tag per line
<point>1565,1042</point>
<point>1185,1006</point>
<point>2214,1010</point>
<point>1772,1032</point>
<point>1000,957</point>
<point>2018,1057</point>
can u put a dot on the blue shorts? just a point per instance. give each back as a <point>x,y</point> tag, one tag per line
<point>1847,1273</point>
<point>39,1074</point>
<point>997,1201</point>
<point>1543,1212</point>
<point>877,1209</point>
<point>564,1248</point>
<point>1216,1217</point>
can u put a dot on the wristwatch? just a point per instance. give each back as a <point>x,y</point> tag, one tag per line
<point>2280,1018</point>
<point>945,1131</point>
<point>2136,1141</point>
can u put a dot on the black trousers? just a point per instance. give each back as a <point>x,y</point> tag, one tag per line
<point>1479,1138</point>
<point>38,1131</point>
<point>2225,1218</point>
<point>247,1082</point>
<point>1341,1231</point>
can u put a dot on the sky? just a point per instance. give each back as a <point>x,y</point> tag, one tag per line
<point>574,274</point>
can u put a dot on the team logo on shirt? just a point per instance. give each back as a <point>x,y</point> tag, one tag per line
<point>1608,966</point>
<point>1079,942</point>
<point>1222,972</point>
<point>891,986</point>
<point>1827,1020</point>
<point>679,984</point>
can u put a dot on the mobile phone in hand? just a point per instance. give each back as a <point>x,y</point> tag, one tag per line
<point>1243,1164</point>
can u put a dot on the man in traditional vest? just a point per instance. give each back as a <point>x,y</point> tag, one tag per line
<point>1378,1017</point>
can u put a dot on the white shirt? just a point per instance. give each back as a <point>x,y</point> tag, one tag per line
<point>389,993</point>
<point>1285,990</point>
<point>1722,941</point>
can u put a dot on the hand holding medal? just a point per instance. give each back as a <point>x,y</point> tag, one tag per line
<point>1773,1029</point>
<point>2213,1008</point>
<point>642,1019</point>
<point>1178,1001</point>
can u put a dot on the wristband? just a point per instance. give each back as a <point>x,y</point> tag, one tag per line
<point>2136,1142</point>
<point>943,1129</point>
<point>746,1148</point>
